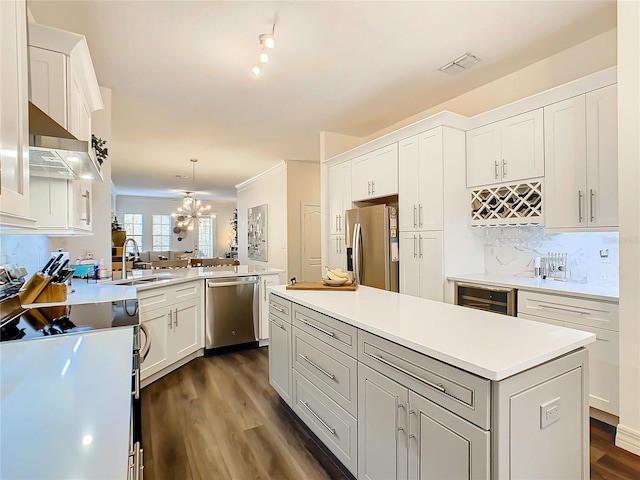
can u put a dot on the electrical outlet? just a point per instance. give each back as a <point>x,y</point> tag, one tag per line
<point>604,253</point>
<point>549,412</point>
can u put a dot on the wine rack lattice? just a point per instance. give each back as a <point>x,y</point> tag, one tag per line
<point>517,204</point>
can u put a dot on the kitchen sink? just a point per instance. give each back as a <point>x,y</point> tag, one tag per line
<point>140,281</point>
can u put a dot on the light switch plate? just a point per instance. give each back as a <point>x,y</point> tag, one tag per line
<point>549,412</point>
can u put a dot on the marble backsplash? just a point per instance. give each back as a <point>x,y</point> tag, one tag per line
<point>591,257</point>
<point>29,251</point>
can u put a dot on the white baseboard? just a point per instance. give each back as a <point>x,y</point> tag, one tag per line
<point>628,438</point>
<point>605,417</point>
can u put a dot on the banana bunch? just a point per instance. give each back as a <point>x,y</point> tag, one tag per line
<point>335,274</point>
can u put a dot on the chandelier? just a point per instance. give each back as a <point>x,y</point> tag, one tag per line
<point>191,209</point>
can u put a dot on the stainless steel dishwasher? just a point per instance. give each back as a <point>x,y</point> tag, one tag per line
<point>231,312</point>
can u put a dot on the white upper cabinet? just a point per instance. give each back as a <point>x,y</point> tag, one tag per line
<point>581,181</point>
<point>63,81</point>
<point>506,151</point>
<point>61,207</point>
<point>339,179</point>
<point>14,120</point>
<point>375,174</point>
<point>420,181</point>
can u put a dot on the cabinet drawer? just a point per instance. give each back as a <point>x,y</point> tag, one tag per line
<point>333,372</point>
<point>279,307</point>
<point>155,298</point>
<point>583,311</point>
<point>335,427</point>
<point>331,331</point>
<point>187,291</point>
<point>456,390</point>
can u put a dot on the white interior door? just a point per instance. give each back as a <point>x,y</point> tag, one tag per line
<point>311,252</point>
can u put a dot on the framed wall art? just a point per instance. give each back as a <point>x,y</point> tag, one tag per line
<point>257,232</point>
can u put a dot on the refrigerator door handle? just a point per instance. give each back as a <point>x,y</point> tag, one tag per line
<point>357,251</point>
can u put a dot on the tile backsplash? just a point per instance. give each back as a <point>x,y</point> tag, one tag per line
<point>512,251</point>
<point>30,251</point>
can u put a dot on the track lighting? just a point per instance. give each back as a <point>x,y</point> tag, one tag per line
<point>267,41</point>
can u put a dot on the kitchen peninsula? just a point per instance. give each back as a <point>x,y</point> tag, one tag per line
<point>396,385</point>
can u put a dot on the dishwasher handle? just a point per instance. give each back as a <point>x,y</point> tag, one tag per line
<point>234,282</point>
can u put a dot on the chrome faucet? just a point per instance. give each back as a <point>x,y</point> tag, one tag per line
<point>124,255</point>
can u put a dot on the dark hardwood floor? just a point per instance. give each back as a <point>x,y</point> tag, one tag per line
<point>218,418</point>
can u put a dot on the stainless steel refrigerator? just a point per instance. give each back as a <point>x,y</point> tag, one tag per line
<point>371,237</point>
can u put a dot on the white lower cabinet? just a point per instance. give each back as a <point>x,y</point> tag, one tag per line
<point>280,366</point>
<point>265,281</point>
<point>176,326</point>
<point>422,265</point>
<point>583,314</point>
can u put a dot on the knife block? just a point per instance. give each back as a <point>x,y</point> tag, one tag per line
<point>39,289</point>
<point>53,292</point>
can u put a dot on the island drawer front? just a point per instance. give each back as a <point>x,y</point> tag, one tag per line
<point>456,390</point>
<point>330,370</point>
<point>337,430</point>
<point>331,331</point>
<point>187,291</point>
<point>584,311</point>
<point>279,307</point>
<point>155,298</point>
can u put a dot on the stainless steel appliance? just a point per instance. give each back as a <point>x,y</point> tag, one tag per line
<point>371,237</point>
<point>485,297</point>
<point>231,312</point>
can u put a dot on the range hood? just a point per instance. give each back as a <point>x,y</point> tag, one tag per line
<point>54,152</point>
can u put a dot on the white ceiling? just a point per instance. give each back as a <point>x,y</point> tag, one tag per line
<point>182,87</point>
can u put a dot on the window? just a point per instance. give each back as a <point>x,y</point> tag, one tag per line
<point>205,237</point>
<point>134,227</point>
<point>161,234</point>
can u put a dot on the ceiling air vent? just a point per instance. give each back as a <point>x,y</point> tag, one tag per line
<point>459,64</point>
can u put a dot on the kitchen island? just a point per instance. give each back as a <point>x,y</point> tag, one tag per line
<point>400,386</point>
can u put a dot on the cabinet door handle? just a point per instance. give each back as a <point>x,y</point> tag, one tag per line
<point>415,250</point>
<point>317,367</point>
<point>87,206</point>
<point>495,169</point>
<point>580,206</point>
<point>339,223</point>
<point>437,386</point>
<point>373,186</point>
<point>278,325</point>
<point>324,424</point>
<point>278,309</point>
<point>170,319</point>
<point>369,188</point>
<point>504,168</point>
<point>420,214</point>
<point>264,286</point>
<point>322,330</point>
<point>420,245</point>
<point>591,195</point>
<point>175,321</point>
<point>415,222</point>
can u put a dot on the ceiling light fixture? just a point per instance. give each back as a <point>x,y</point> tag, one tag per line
<point>191,209</point>
<point>459,64</point>
<point>267,41</point>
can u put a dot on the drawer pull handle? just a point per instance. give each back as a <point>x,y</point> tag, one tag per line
<point>326,332</point>
<point>437,386</point>
<point>278,325</point>
<point>552,307</point>
<point>324,424</point>
<point>281,310</point>
<point>318,367</point>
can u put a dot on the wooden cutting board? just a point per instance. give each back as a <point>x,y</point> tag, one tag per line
<point>321,286</point>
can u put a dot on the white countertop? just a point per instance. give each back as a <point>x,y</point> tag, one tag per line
<point>83,292</point>
<point>584,290</point>
<point>65,404</point>
<point>490,345</point>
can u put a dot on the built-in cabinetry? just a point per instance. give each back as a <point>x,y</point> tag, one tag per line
<point>421,265</point>
<point>63,81</point>
<point>339,177</point>
<point>505,151</point>
<point>280,366</point>
<point>175,319</point>
<point>375,174</point>
<point>14,120</point>
<point>597,317</point>
<point>265,281</point>
<point>581,161</point>
<point>61,206</point>
<point>387,411</point>
<point>337,252</point>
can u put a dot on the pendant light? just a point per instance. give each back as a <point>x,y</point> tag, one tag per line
<point>191,209</point>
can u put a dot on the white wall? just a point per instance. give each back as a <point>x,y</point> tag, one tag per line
<point>149,206</point>
<point>628,433</point>
<point>269,188</point>
<point>100,242</point>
